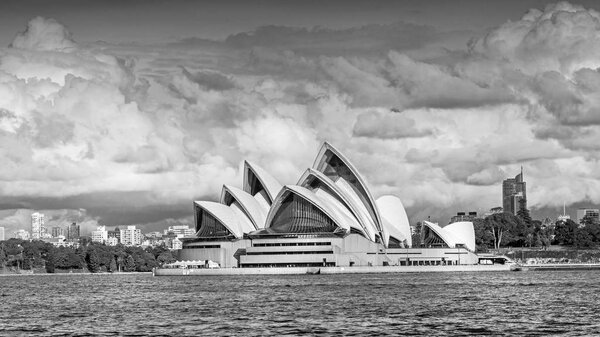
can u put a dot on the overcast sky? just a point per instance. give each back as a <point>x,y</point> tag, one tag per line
<point>124,112</point>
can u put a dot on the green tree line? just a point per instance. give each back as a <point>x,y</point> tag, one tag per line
<point>94,257</point>
<point>508,230</point>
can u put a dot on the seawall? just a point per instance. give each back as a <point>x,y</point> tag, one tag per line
<point>562,266</point>
<point>330,270</point>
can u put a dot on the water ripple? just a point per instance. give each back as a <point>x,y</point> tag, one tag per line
<point>427,304</point>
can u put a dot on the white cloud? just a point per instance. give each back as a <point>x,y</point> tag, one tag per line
<point>44,34</point>
<point>80,121</point>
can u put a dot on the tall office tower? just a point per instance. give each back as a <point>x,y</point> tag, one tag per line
<point>2,234</point>
<point>514,194</point>
<point>37,226</point>
<point>73,232</point>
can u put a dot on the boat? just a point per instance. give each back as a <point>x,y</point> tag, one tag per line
<point>313,271</point>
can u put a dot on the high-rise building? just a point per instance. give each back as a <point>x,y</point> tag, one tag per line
<point>37,226</point>
<point>100,234</point>
<point>73,232</point>
<point>514,194</point>
<point>2,234</point>
<point>131,236</point>
<point>592,213</point>
<point>57,231</point>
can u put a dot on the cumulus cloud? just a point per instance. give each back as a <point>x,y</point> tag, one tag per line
<point>210,80</point>
<point>44,34</point>
<point>488,176</point>
<point>145,131</point>
<point>549,57</point>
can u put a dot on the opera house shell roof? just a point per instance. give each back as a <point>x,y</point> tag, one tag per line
<point>331,198</point>
<point>454,235</point>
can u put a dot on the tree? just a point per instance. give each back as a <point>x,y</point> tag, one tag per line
<point>564,232</point>
<point>50,262</point>
<point>84,241</point>
<point>93,261</point>
<point>584,238</point>
<point>165,257</point>
<point>113,266</point>
<point>157,250</point>
<point>502,226</point>
<point>588,236</point>
<point>3,256</point>
<point>129,264</point>
<point>484,238</point>
<point>523,212</point>
<point>416,237</point>
<point>121,256</point>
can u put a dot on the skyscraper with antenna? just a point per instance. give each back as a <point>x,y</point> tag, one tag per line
<point>514,194</point>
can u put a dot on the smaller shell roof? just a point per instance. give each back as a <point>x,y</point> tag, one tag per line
<point>461,233</point>
<point>396,220</point>
<point>270,184</point>
<point>464,232</point>
<point>228,217</point>
<point>254,211</point>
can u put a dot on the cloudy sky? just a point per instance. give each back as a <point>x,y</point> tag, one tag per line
<point>123,112</point>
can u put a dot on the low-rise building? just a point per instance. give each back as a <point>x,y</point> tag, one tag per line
<point>153,235</point>
<point>21,234</point>
<point>61,241</point>
<point>180,231</point>
<point>176,243</point>
<point>112,241</point>
<point>592,213</point>
<point>463,216</point>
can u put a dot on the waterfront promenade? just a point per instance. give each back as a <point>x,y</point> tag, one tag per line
<point>329,270</point>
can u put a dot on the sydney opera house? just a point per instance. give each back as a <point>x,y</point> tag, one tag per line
<point>329,218</point>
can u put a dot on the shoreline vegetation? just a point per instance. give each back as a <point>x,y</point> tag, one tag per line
<point>75,274</point>
<point>524,240</point>
<point>39,257</point>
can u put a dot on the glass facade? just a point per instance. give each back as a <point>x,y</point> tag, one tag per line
<point>335,168</point>
<point>432,240</point>
<point>207,226</point>
<point>255,186</point>
<point>297,215</point>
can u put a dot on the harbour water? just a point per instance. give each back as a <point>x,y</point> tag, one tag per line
<point>423,304</point>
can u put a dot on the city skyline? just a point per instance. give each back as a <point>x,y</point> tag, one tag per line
<point>112,123</point>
